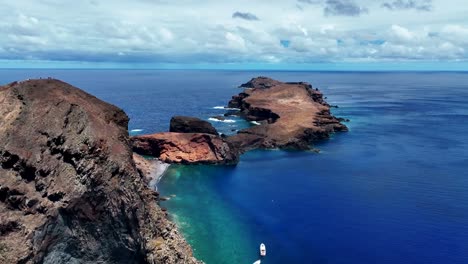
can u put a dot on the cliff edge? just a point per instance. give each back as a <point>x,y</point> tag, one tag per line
<point>69,189</point>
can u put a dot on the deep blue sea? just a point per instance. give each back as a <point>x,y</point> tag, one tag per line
<point>394,189</point>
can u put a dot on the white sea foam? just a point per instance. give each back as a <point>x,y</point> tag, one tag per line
<point>224,121</point>
<point>158,170</point>
<point>226,108</point>
<point>255,123</point>
<point>136,130</point>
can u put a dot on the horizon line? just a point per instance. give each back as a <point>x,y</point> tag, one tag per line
<point>228,69</point>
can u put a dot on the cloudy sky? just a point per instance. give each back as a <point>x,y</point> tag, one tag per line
<point>241,32</point>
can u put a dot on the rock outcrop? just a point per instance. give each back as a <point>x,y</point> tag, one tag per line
<point>69,188</point>
<point>186,148</point>
<point>291,115</point>
<point>187,124</point>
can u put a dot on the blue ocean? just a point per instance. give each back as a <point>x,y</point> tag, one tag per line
<point>394,189</point>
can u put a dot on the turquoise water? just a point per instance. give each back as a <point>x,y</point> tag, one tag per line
<point>209,212</point>
<point>394,189</point>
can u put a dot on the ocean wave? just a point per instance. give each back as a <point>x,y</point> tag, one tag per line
<point>224,121</point>
<point>226,108</point>
<point>255,123</point>
<point>136,130</point>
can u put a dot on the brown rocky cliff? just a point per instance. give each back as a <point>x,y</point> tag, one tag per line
<point>69,189</point>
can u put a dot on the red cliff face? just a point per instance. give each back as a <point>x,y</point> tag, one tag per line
<point>69,189</point>
<point>292,115</point>
<point>186,148</point>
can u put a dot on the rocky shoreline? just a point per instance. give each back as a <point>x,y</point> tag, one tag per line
<point>151,169</point>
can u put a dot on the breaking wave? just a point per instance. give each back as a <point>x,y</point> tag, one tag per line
<point>226,108</point>
<point>224,121</point>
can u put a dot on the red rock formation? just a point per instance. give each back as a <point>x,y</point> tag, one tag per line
<point>69,189</point>
<point>292,115</point>
<point>186,148</point>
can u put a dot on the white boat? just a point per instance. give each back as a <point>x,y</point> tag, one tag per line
<point>262,250</point>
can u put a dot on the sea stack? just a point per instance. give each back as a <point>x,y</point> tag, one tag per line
<point>69,188</point>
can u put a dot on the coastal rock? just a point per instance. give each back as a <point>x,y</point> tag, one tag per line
<point>151,169</point>
<point>186,148</point>
<point>292,115</point>
<point>186,124</point>
<point>69,188</point>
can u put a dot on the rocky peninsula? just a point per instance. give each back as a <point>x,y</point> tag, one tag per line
<point>289,116</point>
<point>69,188</point>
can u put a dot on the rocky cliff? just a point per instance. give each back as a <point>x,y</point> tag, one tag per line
<point>69,189</point>
<point>186,148</point>
<point>291,115</point>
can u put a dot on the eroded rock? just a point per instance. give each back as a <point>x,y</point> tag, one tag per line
<point>186,148</point>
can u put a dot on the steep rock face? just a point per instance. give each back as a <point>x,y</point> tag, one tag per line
<point>186,124</point>
<point>186,148</point>
<point>69,189</point>
<point>292,115</point>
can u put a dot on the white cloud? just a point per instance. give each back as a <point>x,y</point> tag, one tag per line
<point>234,41</point>
<point>166,34</point>
<point>185,31</point>
<point>401,34</point>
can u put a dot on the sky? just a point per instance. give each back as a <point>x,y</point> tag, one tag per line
<point>274,34</point>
